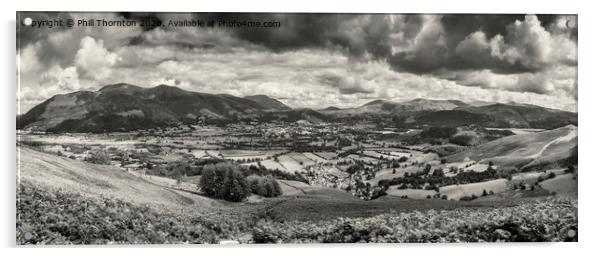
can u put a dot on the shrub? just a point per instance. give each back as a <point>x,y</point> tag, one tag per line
<point>98,157</point>
<point>463,140</point>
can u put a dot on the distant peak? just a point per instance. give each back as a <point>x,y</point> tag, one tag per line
<point>119,86</point>
<point>375,102</point>
<point>332,108</point>
<point>166,86</point>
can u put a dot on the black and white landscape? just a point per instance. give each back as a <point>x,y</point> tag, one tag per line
<point>329,128</point>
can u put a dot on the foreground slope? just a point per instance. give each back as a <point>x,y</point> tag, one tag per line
<point>53,172</point>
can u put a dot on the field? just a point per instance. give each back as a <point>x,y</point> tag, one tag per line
<point>410,193</point>
<point>459,191</point>
<point>561,184</point>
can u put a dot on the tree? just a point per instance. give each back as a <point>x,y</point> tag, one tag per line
<point>427,168</point>
<point>98,157</point>
<point>570,169</point>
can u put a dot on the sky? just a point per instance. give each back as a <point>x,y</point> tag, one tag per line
<point>311,60</point>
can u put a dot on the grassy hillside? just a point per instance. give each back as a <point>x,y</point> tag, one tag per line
<point>552,147</point>
<point>53,172</point>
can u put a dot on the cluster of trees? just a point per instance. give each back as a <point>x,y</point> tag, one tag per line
<point>224,181</point>
<point>306,147</point>
<point>358,168</point>
<point>248,160</point>
<point>264,186</point>
<point>278,174</point>
<point>234,183</point>
<point>419,180</point>
<point>175,170</point>
<point>366,191</point>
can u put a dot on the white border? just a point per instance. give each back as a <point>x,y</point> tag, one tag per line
<point>589,118</point>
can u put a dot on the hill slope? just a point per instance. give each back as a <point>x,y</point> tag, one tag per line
<point>496,115</point>
<point>53,172</point>
<point>268,103</point>
<point>558,146</point>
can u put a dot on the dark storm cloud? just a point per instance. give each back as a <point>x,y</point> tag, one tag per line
<point>426,43</point>
<point>483,42</point>
<point>354,34</point>
<point>28,34</point>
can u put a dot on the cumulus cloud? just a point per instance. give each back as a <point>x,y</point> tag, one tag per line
<point>94,60</point>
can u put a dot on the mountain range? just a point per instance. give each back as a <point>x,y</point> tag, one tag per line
<point>124,107</point>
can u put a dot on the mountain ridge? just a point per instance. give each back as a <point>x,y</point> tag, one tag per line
<point>122,107</point>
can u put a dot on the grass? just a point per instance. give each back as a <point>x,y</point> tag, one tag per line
<point>458,191</point>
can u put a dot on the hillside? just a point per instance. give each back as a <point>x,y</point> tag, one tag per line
<point>496,115</point>
<point>454,113</point>
<point>127,107</point>
<point>551,147</point>
<point>268,103</point>
<point>52,172</point>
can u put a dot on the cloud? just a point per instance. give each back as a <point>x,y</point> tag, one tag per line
<point>524,46</point>
<point>93,60</point>
<point>349,84</point>
<point>60,44</point>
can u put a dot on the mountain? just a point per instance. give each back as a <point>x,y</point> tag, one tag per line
<point>383,107</point>
<point>495,115</point>
<point>556,147</point>
<point>121,107</point>
<point>268,103</point>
